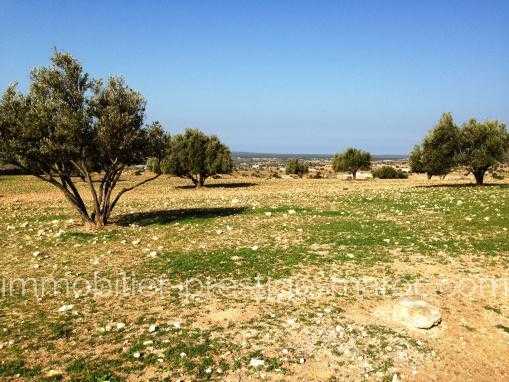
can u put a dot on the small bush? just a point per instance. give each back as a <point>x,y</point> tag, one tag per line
<point>296,167</point>
<point>154,165</point>
<point>388,172</point>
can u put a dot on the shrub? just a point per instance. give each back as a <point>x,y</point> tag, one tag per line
<point>196,156</point>
<point>154,165</point>
<point>389,172</point>
<point>352,160</point>
<point>70,125</point>
<point>296,167</point>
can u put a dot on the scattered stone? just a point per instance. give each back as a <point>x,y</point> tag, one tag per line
<point>65,308</point>
<point>256,362</point>
<point>152,328</point>
<point>120,325</point>
<point>53,373</point>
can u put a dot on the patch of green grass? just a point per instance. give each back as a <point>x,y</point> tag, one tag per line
<point>61,329</point>
<point>86,370</point>
<point>236,263</point>
<point>87,237</point>
<point>492,245</point>
<point>191,352</point>
<point>12,368</point>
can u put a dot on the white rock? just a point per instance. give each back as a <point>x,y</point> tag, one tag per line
<point>256,362</point>
<point>120,325</point>
<point>65,308</point>
<point>416,313</point>
<point>137,354</point>
<point>152,328</point>
<point>52,373</point>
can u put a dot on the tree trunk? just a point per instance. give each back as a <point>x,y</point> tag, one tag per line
<point>429,175</point>
<point>479,176</point>
<point>354,174</point>
<point>201,180</point>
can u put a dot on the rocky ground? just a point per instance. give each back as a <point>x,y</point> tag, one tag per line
<point>252,279</point>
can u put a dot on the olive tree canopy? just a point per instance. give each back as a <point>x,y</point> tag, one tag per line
<point>436,155</point>
<point>352,160</point>
<point>196,156</point>
<point>482,146</point>
<point>68,128</point>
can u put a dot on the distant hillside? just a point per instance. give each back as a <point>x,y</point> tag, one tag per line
<point>249,156</point>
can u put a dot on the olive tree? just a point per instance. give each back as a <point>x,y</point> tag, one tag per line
<point>78,133</point>
<point>352,160</point>
<point>482,146</point>
<point>196,156</point>
<point>436,155</point>
<point>296,167</point>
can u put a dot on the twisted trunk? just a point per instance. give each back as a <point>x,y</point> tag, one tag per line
<point>479,175</point>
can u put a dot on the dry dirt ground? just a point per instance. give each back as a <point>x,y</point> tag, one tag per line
<point>252,279</point>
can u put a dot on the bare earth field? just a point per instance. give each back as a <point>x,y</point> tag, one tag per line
<point>252,279</point>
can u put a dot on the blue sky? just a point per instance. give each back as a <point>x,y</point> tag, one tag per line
<point>281,76</point>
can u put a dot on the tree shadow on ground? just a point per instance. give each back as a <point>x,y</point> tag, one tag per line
<point>463,185</point>
<point>169,216</point>
<point>220,185</point>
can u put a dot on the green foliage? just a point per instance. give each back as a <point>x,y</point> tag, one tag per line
<point>436,154</point>
<point>154,165</point>
<point>482,146</point>
<point>196,156</point>
<point>296,167</point>
<point>352,160</point>
<point>389,172</point>
<point>415,160</point>
<point>70,125</point>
